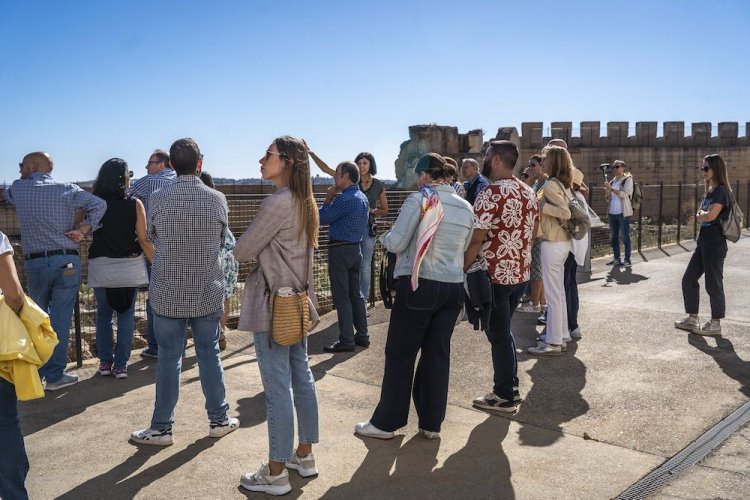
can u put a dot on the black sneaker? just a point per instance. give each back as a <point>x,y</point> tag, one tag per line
<point>361,341</point>
<point>517,396</point>
<point>338,347</point>
<point>493,403</point>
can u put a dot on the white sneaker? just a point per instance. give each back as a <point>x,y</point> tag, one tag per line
<point>544,349</point>
<point>366,429</point>
<point>305,466</point>
<point>263,481</point>
<point>576,334</point>
<point>429,434</point>
<point>563,346</point>
<point>221,429</point>
<point>529,308</point>
<point>711,329</point>
<point>152,437</point>
<point>689,324</point>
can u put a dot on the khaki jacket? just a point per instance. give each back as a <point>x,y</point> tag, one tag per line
<point>555,210</point>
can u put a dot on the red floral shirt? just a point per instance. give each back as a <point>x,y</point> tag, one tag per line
<point>507,209</point>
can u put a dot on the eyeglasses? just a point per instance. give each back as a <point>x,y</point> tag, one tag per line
<point>268,153</point>
<point>20,166</point>
<point>201,156</point>
<point>705,168</point>
<point>130,173</point>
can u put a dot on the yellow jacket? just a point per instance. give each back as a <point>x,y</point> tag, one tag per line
<point>555,212</point>
<point>26,343</point>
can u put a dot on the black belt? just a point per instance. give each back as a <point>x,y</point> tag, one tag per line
<point>49,253</point>
<point>338,243</point>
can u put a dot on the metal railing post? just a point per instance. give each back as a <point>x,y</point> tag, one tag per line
<point>679,210</point>
<point>747,207</point>
<point>640,226</point>
<point>661,211</point>
<point>79,343</point>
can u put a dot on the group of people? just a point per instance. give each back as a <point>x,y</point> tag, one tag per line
<point>174,226</point>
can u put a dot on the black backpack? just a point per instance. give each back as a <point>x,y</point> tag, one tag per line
<point>387,281</point>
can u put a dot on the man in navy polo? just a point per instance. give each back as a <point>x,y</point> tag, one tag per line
<point>46,213</point>
<point>346,210</point>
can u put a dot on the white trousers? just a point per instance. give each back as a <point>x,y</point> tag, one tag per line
<point>554,254</point>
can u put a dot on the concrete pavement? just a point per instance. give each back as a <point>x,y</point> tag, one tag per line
<point>629,395</point>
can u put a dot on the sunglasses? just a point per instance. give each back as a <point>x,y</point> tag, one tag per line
<point>705,168</point>
<point>269,153</point>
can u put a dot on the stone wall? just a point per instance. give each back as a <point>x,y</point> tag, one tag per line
<point>670,158</point>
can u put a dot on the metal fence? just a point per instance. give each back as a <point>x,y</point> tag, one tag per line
<point>667,215</point>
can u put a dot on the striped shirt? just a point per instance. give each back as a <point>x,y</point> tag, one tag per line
<point>347,215</point>
<point>47,210</point>
<point>144,187</point>
<point>187,225</point>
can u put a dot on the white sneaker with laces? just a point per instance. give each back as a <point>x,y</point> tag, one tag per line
<point>263,481</point>
<point>544,349</point>
<point>366,429</point>
<point>305,466</point>
<point>221,429</point>
<point>563,346</point>
<point>711,329</point>
<point>529,308</point>
<point>493,402</point>
<point>153,437</point>
<point>689,324</point>
<point>576,334</point>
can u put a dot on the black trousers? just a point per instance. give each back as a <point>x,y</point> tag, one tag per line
<point>420,320</point>
<point>344,264</point>
<point>571,291</point>
<point>707,259</point>
<point>504,363</point>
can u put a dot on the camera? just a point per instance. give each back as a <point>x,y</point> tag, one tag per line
<point>605,166</point>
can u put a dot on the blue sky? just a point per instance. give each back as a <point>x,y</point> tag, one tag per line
<point>87,81</point>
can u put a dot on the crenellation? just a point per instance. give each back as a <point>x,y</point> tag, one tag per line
<point>728,133</point>
<point>701,133</point>
<point>670,157</point>
<point>562,130</point>
<point>590,134</point>
<point>617,133</point>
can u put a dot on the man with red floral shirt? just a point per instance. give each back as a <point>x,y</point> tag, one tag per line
<point>506,215</point>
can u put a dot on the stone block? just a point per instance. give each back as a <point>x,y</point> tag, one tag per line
<point>590,133</point>
<point>532,133</point>
<point>674,133</point>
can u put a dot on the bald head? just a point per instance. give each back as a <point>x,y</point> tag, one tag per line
<point>38,161</point>
<point>559,143</point>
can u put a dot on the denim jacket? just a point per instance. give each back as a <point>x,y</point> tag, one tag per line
<point>444,260</point>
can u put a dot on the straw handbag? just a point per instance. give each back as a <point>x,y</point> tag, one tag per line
<point>290,312</point>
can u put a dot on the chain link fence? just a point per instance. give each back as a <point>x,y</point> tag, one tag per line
<point>666,216</point>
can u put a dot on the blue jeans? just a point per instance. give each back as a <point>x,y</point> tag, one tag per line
<point>53,285</point>
<point>422,322</point>
<point>619,224</point>
<point>150,335</point>
<point>171,333</point>
<point>505,366</point>
<point>344,264</point>
<point>368,249</point>
<point>14,465</point>
<point>287,382</point>
<point>125,326</point>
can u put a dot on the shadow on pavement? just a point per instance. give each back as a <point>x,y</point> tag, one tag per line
<point>69,402</point>
<point>727,359</point>
<point>113,483</point>
<point>623,276</point>
<point>555,393</point>
<point>480,467</point>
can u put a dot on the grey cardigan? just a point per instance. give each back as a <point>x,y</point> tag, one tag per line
<point>271,238</point>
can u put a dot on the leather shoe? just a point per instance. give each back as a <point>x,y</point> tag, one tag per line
<point>338,347</point>
<point>362,341</point>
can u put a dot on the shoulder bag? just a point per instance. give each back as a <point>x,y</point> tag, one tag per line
<point>290,311</point>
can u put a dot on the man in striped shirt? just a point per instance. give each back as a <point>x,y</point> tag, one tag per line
<point>159,174</point>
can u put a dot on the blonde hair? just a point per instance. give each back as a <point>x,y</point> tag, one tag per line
<point>294,152</point>
<point>560,164</point>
